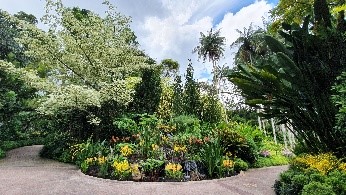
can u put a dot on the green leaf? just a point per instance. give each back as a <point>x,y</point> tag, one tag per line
<point>275,45</point>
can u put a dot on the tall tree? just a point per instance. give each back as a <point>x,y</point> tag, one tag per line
<point>169,67</point>
<point>10,49</point>
<point>178,99</point>
<point>211,47</point>
<point>148,92</point>
<point>91,62</point>
<point>191,93</point>
<point>16,111</point>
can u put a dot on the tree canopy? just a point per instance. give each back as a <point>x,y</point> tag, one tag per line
<point>89,57</point>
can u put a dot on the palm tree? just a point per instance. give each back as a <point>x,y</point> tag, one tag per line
<point>251,45</point>
<point>211,47</point>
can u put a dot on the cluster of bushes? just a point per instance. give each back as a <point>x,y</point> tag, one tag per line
<point>9,145</point>
<point>313,174</point>
<point>181,149</point>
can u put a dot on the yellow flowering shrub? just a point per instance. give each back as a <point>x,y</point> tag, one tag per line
<point>173,167</point>
<point>174,171</point>
<point>178,148</point>
<point>122,169</point>
<point>126,150</point>
<point>155,147</point>
<point>101,160</point>
<point>324,163</point>
<point>96,160</point>
<point>121,166</point>
<point>89,161</point>
<point>227,163</point>
<point>342,167</point>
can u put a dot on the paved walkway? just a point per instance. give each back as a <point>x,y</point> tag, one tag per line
<point>24,172</point>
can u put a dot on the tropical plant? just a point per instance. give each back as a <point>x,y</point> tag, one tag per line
<point>212,156</point>
<point>211,47</point>
<point>295,84</point>
<point>294,12</point>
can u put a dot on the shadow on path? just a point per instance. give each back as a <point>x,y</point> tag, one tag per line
<point>24,172</point>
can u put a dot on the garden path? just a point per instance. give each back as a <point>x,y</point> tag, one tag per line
<point>24,172</point>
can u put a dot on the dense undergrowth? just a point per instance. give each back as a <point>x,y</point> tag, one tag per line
<point>313,174</point>
<point>180,150</point>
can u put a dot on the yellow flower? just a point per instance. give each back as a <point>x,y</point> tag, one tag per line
<point>101,160</point>
<point>165,138</point>
<point>154,147</point>
<point>141,142</point>
<point>178,148</point>
<point>121,166</point>
<point>89,160</point>
<point>173,167</point>
<point>227,163</point>
<point>229,154</point>
<point>342,166</point>
<point>126,150</point>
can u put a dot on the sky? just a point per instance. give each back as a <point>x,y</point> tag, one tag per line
<point>171,28</point>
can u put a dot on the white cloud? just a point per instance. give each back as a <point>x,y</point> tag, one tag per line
<point>170,28</point>
<point>252,14</point>
<point>175,35</point>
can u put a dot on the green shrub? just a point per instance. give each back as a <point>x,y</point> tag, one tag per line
<point>88,149</point>
<point>290,182</point>
<point>2,153</point>
<point>186,123</point>
<point>274,160</point>
<point>125,125</point>
<point>318,188</point>
<point>152,167</point>
<point>55,145</point>
<point>237,144</point>
<point>9,145</point>
<point>240,165</point>
<point>337,179</point>
<point>249,151</point>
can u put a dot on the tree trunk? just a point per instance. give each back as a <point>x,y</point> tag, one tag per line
<point>215,79</point>
<point>284,133</point>
<point>273,126</point>
<point>259,120</point>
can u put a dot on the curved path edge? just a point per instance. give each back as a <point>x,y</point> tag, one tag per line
<point>24,172</point>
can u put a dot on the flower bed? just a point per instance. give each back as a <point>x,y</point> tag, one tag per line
<point>168,152</point>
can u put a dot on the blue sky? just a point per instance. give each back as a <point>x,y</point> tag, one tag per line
<point>171,28</point>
